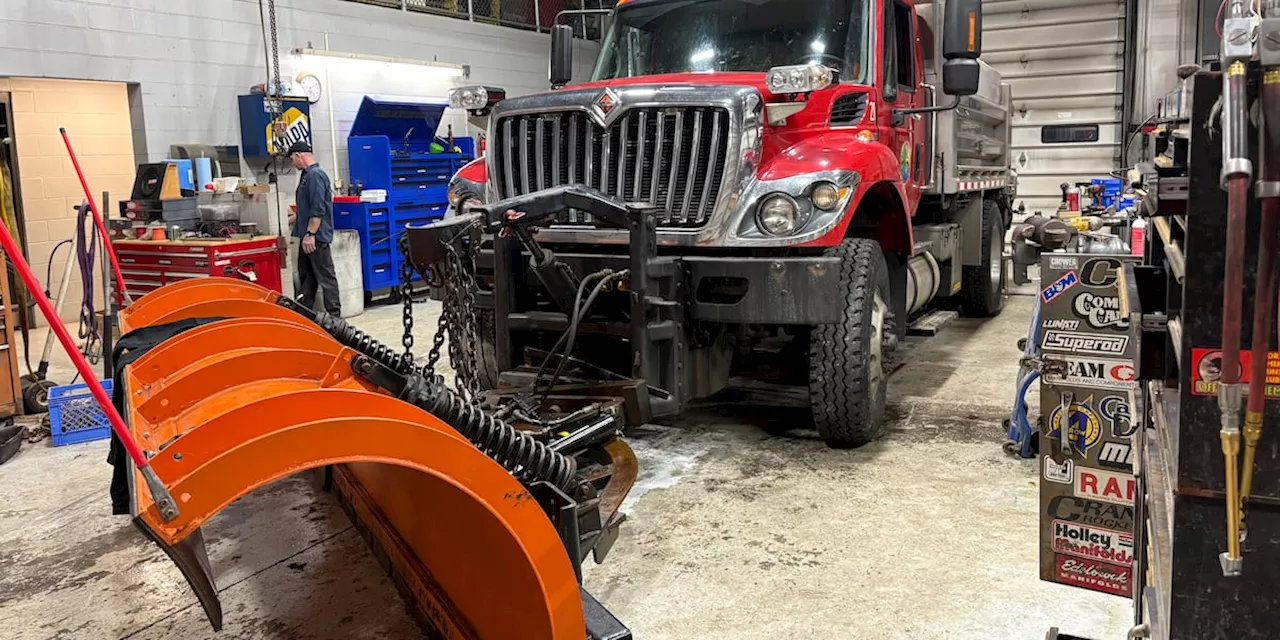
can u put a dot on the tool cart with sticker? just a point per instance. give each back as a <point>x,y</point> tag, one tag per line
<point>1088,486</point>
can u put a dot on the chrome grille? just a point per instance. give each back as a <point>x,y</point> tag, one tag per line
<point>670,157</point>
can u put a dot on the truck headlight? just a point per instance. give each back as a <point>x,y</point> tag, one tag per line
<point>825,196</point>
<point>476,98</point>
<point>799,78</point>
<point>779,215</point>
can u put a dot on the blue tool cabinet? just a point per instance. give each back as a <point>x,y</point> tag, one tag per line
<point>390,148</point>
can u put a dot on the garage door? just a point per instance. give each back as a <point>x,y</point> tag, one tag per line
<point>1065,62</point>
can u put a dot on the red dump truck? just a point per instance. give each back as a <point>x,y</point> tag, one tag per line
<point>780,188</point>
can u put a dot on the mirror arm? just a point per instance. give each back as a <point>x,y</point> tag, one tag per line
<point>934,109</point>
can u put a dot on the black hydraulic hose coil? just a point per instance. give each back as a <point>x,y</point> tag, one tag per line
<point>350,336</point>
<point>519,453</point>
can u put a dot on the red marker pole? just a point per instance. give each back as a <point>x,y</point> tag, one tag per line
<point>97,219</point>
<point>164,502</point>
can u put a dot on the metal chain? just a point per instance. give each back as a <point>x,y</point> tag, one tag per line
<point>406,295</point>
<point>458,325</point>
<point>275,49</point>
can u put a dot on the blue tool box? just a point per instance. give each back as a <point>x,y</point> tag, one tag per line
<point>390,148</point>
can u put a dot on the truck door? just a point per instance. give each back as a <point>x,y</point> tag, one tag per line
<point>900,82</point>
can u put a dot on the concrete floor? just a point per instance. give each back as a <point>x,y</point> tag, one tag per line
<point>743,525</point>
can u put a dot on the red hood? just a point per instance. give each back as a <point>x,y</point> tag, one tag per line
<point>745,78</point>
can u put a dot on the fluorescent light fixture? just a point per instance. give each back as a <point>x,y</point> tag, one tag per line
<point>444,68</point>
<point>818,46</point>
<point>702,56</point>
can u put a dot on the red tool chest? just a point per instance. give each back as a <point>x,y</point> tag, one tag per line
<point>148,265</point>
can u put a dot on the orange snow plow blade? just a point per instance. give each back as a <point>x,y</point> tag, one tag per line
<point>263,392</point>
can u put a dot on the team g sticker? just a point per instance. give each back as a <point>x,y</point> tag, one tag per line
<point>1094,373</point>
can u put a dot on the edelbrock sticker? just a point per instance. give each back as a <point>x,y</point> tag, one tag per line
<point>1097,576</point>
<point>1096,373</point>
<point>1086,343</point>
<point>1059,287</point>
<point>1101,312</point>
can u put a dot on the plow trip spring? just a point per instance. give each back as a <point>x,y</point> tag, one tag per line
<point>253,388</point>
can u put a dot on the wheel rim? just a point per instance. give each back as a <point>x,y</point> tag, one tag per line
<point>997,263</point>
<point>876,365</point>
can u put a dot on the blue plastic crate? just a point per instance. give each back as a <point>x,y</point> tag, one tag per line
<point>74,415</point>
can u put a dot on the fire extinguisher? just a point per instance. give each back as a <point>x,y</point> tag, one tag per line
<point>1138,237</point>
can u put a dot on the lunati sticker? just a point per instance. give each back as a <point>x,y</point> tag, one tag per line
<point>1097,576</point>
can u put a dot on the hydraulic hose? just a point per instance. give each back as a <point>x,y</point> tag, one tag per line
<point>527,459</point>
<point>1020,430</point>
<point>1237,173</point>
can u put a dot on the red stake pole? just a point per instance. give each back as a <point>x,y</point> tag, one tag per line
<point>97,219</point>
<point>164,502</point>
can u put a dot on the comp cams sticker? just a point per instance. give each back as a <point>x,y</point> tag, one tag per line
<point>1101,312</point>
<point>1085,343</point>
<point>1095,373</point>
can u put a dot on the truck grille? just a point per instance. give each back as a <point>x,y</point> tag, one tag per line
<point>670,157</point>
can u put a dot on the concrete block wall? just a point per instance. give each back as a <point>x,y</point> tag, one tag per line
<point>191,58</point>
<point>96,114</point>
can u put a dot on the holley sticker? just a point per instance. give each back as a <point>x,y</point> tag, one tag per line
<point>1097,576</point>
<point>1092,542</point>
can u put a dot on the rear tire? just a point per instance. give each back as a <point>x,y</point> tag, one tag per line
<point>848,376</point>
<point>984,285</point>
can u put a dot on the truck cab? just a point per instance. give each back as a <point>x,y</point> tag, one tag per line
<point>815,173</point>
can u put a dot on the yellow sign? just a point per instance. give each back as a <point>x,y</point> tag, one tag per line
<point>292,126</point>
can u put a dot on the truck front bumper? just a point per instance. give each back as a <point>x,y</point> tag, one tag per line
<point>801,290</point>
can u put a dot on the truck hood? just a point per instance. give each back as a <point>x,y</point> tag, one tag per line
<point>741,78</point>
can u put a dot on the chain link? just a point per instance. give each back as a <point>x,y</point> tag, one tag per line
<point>459,324</point>
<point>406,296</point>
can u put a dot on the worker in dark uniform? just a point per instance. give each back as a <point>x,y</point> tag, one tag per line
<point>313,226</point>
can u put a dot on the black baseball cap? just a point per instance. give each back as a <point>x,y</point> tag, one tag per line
<point>300,146</point>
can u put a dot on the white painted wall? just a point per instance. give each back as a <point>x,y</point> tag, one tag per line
<point>192,58</point>
<point>1166,39</point>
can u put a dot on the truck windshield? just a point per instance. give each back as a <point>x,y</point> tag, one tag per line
<point>679,36</point>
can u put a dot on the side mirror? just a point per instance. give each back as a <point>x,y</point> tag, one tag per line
<point>961,46</point>
<point>561,55</point>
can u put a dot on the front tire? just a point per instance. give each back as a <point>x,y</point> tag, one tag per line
<point>848,376</point>
<point>984,285</point>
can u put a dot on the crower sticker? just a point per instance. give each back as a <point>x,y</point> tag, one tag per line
<point>1092,542</point>
<point>1092,512</point>
<point>1059,287</point>
<point>1057,262</point>
<point>1085,343</point>
<point>1096,374</point>
<point>1101,312</point>
<point>1063,473</point>
<point>1090,574</point>
<point>1206,372</point>
<point>1084,425</point>
<point>1107,486</point>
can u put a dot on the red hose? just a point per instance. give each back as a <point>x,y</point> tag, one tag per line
<point>1265,295</point>
<point>97,219</point>
<point>1233,277</point>
<point>55,323</point>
